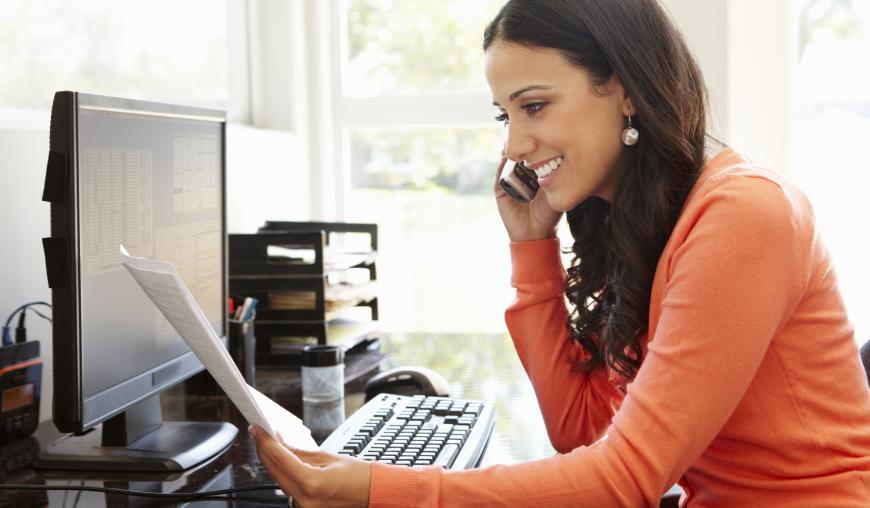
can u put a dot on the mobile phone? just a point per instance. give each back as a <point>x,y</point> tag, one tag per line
<point>518,181</point>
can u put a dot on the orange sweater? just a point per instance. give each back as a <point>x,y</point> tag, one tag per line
<point>751,392</point>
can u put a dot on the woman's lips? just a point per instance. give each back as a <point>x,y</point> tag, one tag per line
<point>547,182</point>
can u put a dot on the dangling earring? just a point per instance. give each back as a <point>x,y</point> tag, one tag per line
<point>630,134</point>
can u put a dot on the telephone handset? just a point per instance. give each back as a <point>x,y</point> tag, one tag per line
<point>518,181</point>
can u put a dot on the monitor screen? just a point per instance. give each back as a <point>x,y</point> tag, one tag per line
<point>152,183</point>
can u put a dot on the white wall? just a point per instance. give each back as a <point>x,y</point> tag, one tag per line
<point>704,25</point>
<point>24,221</point>
<point>762,71</point>
<point>747,51</point>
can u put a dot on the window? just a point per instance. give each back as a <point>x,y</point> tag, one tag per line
<point>833,117</point>
<point>393,46</point>
<point>157,50</point>
<point>419,152</point>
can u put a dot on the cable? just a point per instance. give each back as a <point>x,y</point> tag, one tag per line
<point>26,305</point>
<point>20,330</point>
<point>40,314</point>
<point>219,494</point>
<point>7,339</point>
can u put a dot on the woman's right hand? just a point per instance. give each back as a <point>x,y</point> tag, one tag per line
<point>525,221</point>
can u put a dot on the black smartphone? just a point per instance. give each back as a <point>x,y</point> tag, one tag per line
<point>518,181</point>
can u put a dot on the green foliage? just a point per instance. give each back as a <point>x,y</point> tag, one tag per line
<point>402,45</point>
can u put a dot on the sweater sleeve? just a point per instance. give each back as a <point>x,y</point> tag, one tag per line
<point>580,410</point>
<point>732,283</point>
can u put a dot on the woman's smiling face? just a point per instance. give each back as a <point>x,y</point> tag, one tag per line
<point>558,121</point>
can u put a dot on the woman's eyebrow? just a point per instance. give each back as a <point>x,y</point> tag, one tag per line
<point>524,90</point>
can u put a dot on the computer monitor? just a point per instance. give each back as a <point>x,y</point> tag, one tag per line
<point>149,176</point>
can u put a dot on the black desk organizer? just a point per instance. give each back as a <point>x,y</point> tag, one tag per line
<point>282,332</point>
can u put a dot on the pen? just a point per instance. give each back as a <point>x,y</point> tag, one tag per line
<point>243,310</point>
<point>250,309</point>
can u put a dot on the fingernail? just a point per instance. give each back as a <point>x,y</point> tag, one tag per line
<point>251,430</point>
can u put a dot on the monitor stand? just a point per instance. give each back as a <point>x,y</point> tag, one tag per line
<point>139,440</point>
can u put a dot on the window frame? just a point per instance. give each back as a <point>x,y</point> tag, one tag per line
<point>459,109</point>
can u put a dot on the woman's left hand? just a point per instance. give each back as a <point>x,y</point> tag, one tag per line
<point>316,478</point>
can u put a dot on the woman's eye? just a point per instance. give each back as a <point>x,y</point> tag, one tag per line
<point>534,107</point>
<point>502,118</point>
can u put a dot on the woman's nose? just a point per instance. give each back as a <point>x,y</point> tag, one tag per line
<point>518,143</point>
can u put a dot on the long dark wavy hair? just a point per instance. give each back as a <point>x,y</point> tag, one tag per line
<point>617,244</point>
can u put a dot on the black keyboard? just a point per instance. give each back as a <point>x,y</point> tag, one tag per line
<point>416,431</point>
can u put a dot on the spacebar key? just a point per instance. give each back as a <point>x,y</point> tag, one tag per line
<point>447,456</point>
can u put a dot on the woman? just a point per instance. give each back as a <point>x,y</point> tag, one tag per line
<point>707,343</point>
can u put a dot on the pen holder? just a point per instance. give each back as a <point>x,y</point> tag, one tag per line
<point>242,345</point>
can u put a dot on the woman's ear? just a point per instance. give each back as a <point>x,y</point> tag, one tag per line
<point>625,104</point>
<point>627,107</point>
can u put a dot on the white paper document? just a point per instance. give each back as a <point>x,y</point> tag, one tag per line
<point>170,294</point>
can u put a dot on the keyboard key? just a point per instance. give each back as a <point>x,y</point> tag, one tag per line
<point>421,417</point>
<point>447,456</point>
<point>474,408</point>
<point>356,440</point>
<point>354,448</point>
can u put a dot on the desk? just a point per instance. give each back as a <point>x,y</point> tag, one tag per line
<point>480,366</point>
